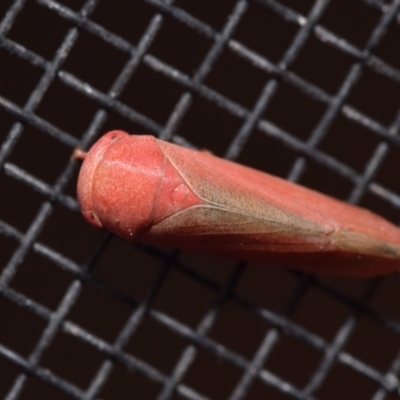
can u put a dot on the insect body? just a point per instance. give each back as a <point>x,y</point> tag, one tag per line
<point>147,190</point>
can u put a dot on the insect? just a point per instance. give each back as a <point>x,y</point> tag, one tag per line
<point>151,191</point>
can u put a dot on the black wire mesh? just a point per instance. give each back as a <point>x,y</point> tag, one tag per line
<point>307,90</point>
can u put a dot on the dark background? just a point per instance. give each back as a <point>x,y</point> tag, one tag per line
<point>311,88</point>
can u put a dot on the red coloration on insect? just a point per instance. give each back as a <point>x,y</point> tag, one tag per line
<point>147,190</point>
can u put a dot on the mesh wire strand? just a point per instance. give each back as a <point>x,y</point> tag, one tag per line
<point>251,120</point>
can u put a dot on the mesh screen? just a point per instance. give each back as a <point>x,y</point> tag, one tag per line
<point>307,90</point>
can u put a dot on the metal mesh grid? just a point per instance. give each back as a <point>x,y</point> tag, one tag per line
<point>252,339</point>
